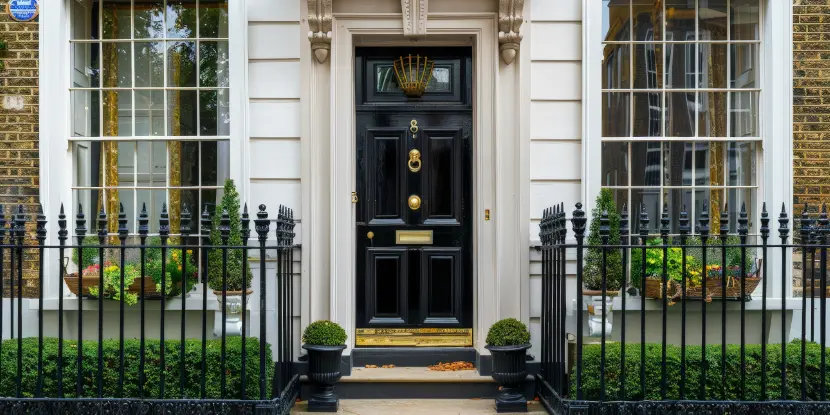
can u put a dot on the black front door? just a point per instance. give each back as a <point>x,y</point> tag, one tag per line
<point>414,192</point>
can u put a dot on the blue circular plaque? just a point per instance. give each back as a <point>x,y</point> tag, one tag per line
<point>22,10</point>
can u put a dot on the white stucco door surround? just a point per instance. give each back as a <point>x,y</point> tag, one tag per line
<point>500,168</point>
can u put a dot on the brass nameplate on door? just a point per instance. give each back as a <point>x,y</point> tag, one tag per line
<point>426,337</point>
<point>413,237</point>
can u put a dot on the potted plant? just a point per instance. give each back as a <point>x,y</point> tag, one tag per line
<point>174,269</point>
<point>236,282</point>
<point>508,341</point>
<point>592,279</point>
<point>325,342</point>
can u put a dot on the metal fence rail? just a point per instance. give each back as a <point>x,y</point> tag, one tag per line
<point>151,374</point>
<point>708,275</point>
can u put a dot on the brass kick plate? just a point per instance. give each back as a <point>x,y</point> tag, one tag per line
<point>413,237</point>
<point>425,337</point>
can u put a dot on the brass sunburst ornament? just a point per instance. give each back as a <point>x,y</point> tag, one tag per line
<point>414,74</point>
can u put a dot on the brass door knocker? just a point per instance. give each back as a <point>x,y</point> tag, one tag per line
<point>414,160</point>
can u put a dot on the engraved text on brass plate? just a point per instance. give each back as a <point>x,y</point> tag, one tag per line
<point>413,237</point>
<point>424,337</point>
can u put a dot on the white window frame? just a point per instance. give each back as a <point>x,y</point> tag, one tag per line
<point>54,144</point>
<point>774,179</point>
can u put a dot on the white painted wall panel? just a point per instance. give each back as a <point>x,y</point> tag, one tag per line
<point>278,192</point>
<point>274,119</point>
<point>555,120</point>
<point>556,10</point>
<point>273,41</point>
<point>274,80</point>
<point>273,10</point>
<point>556,80</point>
<point>559,41</point>
<point>555,160</point>
<point>275,159</point>
<point>544,195</point>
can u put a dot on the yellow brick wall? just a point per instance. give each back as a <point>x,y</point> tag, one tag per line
<point>811,102</point>
<point>19,179</point>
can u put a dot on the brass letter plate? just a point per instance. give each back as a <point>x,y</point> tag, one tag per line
<point>413,237</point>
<point>425,337</point>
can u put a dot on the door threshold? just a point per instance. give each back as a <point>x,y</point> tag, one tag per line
<point>411,356</point>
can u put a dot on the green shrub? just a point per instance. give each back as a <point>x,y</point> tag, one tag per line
<point>230,202</point>
<point>174,267</point>
<point>508,332</point>
<point>715,388</point>
<point>592,275</point>
<point>324,333</point>
<point>90,254</point>
<point>193,368</point>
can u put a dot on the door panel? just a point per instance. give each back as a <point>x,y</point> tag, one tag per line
<point>386,173</point>
<point>414,261</point>
<point>440,279</point>
<point>387,273</point>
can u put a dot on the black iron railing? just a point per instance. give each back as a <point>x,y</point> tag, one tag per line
<point>696,325</point>
<point>103,371</point>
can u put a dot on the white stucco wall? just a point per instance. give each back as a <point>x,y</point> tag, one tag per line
<point>273,157</point>
<point>555,36</point>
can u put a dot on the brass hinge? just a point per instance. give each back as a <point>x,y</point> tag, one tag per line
<point>354,197</point>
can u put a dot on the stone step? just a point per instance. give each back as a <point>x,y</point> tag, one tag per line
<point>416,383</point>
<point>418,407</point>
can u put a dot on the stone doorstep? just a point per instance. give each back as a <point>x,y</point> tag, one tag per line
<point>418,407</point>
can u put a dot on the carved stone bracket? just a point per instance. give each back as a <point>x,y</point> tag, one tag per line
<point>319,28</point>
<point>414,17</point>
<point>510,21</point>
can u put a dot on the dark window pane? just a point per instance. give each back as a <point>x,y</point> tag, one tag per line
<point>616,66</point>
<point>712,61</point>
<point>213,64</point>
<point>745,18</point>
<point>614,164</point>
<point>115,19</point>
<point>214,113</point>
<point>680,19</point>
<point>149,19</point>
<point>215,157</point>
<point>650,200</point>
<point>185,155</point>
<point>712,20</point>
<point>181,113</point>
<point>680,114</point>
<point>645,163</point>
<point>616,116</point>
<point>677,163</point>
<point>181,64</point>
<point>741,164</point>
<point>648,114</point>
<point>711,114</point>
<point>615,19</point>
<point>213,18</point>
<point>648,65</point>
<point>681,69</point>
<point>647,20</point>
<point>181,18</point>
<point>149,64</point>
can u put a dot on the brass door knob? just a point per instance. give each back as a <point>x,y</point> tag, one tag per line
<point>414,202</point>
<point>370,235</point>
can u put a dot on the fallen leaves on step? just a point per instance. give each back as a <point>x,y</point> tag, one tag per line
<point>390,366</point>
<point>451,366</point>
<point>371,366</point>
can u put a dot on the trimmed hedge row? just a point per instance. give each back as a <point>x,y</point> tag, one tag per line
<point>193,368</point>
<point>715,389</point>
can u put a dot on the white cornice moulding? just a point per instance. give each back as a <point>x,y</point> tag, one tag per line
<point>510,22</point>
<point>319,28</point>
<point>414,14</point>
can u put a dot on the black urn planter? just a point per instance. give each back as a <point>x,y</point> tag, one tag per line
<point>510,370</point>
<point>324,372</point>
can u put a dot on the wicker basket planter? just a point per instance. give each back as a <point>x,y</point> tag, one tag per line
<point>150,292</point>
<point>714,287</point>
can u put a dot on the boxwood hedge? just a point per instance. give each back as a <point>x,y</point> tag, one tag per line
<point>715,389</point>
<point>193,368</point>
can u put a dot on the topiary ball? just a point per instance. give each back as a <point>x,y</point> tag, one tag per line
<point>324,333</point>
<point>508,332</point>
